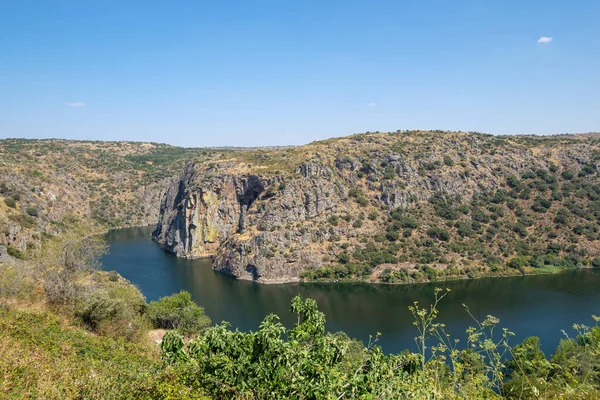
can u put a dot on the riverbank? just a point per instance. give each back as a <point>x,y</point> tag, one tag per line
<point>546,270</point>
<point>551,301</point>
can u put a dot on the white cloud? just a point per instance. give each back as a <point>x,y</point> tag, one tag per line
<point>371,104</point>
<point>545,39</point>
<point>75,104</point>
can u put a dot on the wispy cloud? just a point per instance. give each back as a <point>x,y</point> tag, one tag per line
<point>75,104</point>
<point>545,40</point>
<point>371,104</point>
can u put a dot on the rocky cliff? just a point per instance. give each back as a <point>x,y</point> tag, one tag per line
<point>401,206</point>
<point>241,219</point>
<point>48,185</point>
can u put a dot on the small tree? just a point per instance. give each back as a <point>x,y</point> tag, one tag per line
<point>64,258</point>
<point>178,311</point>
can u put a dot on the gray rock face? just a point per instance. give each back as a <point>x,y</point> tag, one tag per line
<point>268,228</point>
<point>247,222</point>
<point>271,226</point>
<point>202,211</point>
<point>5,257</point>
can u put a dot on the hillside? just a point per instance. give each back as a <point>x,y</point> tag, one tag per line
<point>394,207</point>
<point>403,206</point>
<point>46,185</point>
<point>391,207</point>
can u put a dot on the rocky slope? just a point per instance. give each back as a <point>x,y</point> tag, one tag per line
<point>394,207</point>
<point>46,185</point>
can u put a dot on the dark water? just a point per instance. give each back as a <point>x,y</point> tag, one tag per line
<point>534,305</point>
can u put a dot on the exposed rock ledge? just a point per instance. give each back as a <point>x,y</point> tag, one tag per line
<point>420,203</point>
<point>249,223</point>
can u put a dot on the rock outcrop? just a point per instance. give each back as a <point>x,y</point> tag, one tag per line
<point>334,207</point>
<point>243,220</point>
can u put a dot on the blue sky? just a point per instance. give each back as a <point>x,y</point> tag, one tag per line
<point>199,73</point>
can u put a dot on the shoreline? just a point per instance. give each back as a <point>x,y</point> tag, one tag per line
<point>283,281</point>
<point>453,279</point>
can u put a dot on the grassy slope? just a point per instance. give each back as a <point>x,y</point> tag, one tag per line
<point>102,184</point>
<point>43,356</point>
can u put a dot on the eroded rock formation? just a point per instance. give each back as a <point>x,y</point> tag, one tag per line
<point>410,202</point>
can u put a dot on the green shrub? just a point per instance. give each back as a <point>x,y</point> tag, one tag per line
<point>113,276</point>
<point>15,282</point>
<point>518,262</point>
<point>567,175</point>
<point>464,228</point>
<point>24,220</point>
<point>439,233</point>
<point>116,312</point>
<point>178,311</point>
<point>10,202</point>
<point>344,258</point>
<point>32,211</point>
<point>16,253</point>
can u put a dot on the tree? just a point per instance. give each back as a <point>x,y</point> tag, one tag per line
<point>178,311</point>
<point>63,259</point>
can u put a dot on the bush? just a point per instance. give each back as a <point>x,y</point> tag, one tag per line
<point>344,258</point>
<point>464,229</point>
<point>518,262</point>
<point>24,220</point>
<point>446,211</point>
<point>113,276</point>
<point>567,175</point>
<point>60,287</point>
<point>116,312</point>
<point>541,205</point>
<point>10,202</point>
<point>32,211</point>
<point>16,253</point>
<point>15,282</point>
<point>178,311</point>
<point>439,233</point>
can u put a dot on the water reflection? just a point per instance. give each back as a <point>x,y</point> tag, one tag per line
<point>538,305</point>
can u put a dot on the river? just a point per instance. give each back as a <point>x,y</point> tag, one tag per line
<point>540,305</point>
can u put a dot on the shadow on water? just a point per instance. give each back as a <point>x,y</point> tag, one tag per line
<point>533,305</point>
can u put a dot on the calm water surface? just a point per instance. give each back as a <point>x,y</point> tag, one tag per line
<point>534,305</point>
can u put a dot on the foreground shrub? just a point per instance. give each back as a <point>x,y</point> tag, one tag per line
<point>15,281</point>
<point>60,287</point>
<point>178,311</point>
<point>306,362</point>
<point>45,358</point>
<point>66,260</point>
<point>116,312</point>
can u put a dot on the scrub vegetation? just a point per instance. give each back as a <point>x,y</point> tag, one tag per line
<point>69,330</point>
<point>413,206</point>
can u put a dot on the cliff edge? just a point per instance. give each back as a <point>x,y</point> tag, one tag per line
<point>393,207</point>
